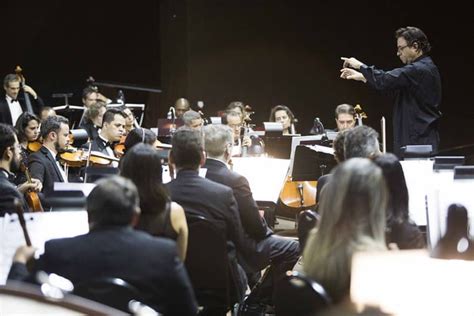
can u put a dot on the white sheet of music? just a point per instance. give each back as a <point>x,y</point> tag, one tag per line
<point>266,176</point>
<point>41,228</point>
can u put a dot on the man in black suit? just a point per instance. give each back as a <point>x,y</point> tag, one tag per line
<point>281,252</point>
<point>10,163</point>
<point>43,164</point>
<point>113,127</point>
<point>11,106</point>
<point>201,196</point>
<point>113,248</point>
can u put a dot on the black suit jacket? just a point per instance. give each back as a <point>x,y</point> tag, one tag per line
<point>8,193</point>
<point>98,144</point>
<point>252,222</point>
<point>43,167</point>
<point>151,264</point>
<point>5,114</point>
<point>200,196</point>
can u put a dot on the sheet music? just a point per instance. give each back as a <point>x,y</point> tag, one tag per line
<point>321,149</point>
<point>41,228</point>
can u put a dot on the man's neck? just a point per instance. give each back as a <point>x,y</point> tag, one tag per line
<point>5,165</point>
<point>51,147</point>
<point>104,136</point>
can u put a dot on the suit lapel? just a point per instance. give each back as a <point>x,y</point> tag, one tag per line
<point>53,162</point>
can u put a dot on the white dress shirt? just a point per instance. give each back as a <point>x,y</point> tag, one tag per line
<point>15,109</point>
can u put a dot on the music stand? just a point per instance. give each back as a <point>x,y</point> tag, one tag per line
<point>310,164</point>
<point>277,145</point>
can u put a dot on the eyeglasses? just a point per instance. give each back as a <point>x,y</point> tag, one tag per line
<point>400,48</point>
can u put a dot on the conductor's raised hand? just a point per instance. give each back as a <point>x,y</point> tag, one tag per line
<point>351,74</point>
<point>351,62</point>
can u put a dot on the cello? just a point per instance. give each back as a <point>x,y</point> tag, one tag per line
<point>21,78</point>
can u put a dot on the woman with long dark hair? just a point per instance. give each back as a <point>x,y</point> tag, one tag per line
<point>159,215</point>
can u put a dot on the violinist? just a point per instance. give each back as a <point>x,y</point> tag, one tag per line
<point>10,158</point>
<point>27,129</point>
<point>283,114</point>
<point>130,122</point>
<point>43,164</point>
<point>93,119</point>
<point>113,127</point>
<point>13,104</point>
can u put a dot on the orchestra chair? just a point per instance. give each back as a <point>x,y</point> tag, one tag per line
<point>113,292</point>
<point>307,220</point>
<point>209,267</point>
<point>298,295</point>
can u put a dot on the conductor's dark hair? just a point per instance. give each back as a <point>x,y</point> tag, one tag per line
<point>414,35</point>
<point>113,202</point>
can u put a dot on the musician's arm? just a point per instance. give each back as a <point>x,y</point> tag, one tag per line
<point>18,270</point>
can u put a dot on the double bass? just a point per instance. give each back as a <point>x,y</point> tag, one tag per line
<point>21,78</point>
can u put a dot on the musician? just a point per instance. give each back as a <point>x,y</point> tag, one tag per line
<point>281,252</point>
<point>113,127</point>
<point>89,96</point>
<point>46,112</point>
<point>113,249</point>
<point>181,106</point>
<point>10,159</point>
<point>27,129</point>
<point>238,107</point>
<point>43,164</point>
<point>235,122</point>
<point>13,104</point>
<point>345,117</point>
<point>283,114</point>
<point>192,119</point>
<point>93,116</point>
<point>203,197</point>
<point>130,122</point>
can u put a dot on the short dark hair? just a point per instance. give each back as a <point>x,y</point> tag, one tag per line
<point>282,107</point>
<point>414,35</point>
<point>139,135</point>
<point>112,202</point>
<point>109,115</point>
<point>338,145</point>
<point>187,147</point>
<point>87,91</point>
<point>344,109</point>
<point>52,124</point>
<point>361,141</point>
<point>22,122</point>
<point>10,78</point>
<point>7,138</point>
<point>142,165</point>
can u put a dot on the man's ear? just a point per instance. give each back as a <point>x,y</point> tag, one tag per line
<point>203,158</point>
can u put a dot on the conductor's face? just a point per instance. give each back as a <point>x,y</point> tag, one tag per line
<point>406,53</point>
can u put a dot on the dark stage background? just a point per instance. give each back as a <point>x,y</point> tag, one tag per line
<point>261,52</point>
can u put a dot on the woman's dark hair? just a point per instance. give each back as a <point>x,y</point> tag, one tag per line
<point>139,135</point>
<point>282,108</point>
<point>397,208</point>
<point>21,124</point>
<point>414,35</point>
<point>142,165</point>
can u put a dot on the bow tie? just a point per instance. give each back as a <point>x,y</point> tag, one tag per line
<point>107,144</point>
<point>14,100</point>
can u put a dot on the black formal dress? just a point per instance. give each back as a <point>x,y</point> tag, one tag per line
<point>149,263</point>
<point>417,87</point>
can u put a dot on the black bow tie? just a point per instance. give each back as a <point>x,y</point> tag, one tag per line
<point>107,144</point>
<point>14,100</point>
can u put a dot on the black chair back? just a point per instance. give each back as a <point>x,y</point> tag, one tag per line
<point>113,292</point>
<point>307,220</point>
<point>208,265</point>
<point>298,295</point>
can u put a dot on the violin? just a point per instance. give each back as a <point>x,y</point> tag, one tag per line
<point>119,149</point>
<point>76,158</point>
<point>32,198</point>
<point>20,77</point>
<point>34,146</point>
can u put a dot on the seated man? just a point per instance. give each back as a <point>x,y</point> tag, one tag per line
<point>282,253</point>
<point>200,196</point>
<point>43,164</point>
<point>10,163</point>
<point>181,106</point>
<point>192,119</point>
<point>113,249</point>
<point>345,117</point>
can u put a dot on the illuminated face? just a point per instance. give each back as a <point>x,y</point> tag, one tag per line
<point>90,99</point>
<point>12,88</point>
<point>62,138</point>
<point>181,108</point>
<point>129,119</point>
<point>196,124</point>
<point>235,123</point>
<point>32,130</point>
<point>345,121</point>
<point>282,117</point>
<point>406,53</point>
<point>115,129</point>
